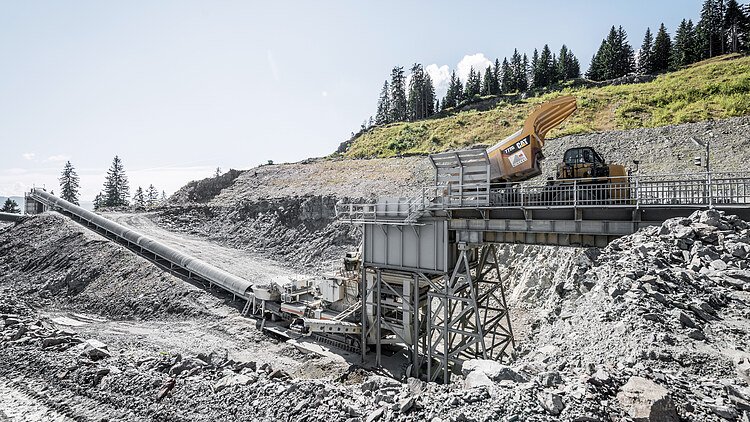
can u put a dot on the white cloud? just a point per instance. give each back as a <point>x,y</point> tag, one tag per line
<point>324,93</point>
<point>441,74</point>
<point>441,77</point>
<point>57,158</point>
<point>477,61</point>
<point>28,156</point>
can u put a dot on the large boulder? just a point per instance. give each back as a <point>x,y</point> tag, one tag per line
<point>646,401</point>
<point>378,382</point>
<point>230,380</point>
<point>477,379</point>
<point>492,369</point>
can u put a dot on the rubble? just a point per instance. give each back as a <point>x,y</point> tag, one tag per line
<point>649,327</point>
<point>646,401</point>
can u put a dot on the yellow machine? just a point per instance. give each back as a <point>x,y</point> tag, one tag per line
<point>600,180</point>
<point>517,157</point>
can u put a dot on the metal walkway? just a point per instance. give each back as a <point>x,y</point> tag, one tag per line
<point>568,212</point>
<point>38,201</point>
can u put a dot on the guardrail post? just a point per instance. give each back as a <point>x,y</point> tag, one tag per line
<point>710,191</point>
<point>637,192</point>
<point>575,194</point>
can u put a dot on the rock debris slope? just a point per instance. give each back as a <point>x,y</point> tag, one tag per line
<point>652,327</point>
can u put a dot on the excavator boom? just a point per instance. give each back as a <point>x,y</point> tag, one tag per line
<point>516,158</point>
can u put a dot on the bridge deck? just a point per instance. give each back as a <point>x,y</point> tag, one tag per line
<point>567,212</point>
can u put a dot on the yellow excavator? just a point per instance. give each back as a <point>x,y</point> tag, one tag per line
<point>518,157</point>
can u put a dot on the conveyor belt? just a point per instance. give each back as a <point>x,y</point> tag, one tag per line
<point>191,266</point>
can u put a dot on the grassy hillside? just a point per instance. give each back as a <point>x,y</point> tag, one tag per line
<point>713,89</point>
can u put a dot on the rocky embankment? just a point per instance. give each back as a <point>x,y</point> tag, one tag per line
<point>654,327</point>
<point>287,211</point>
<point>56,261</point>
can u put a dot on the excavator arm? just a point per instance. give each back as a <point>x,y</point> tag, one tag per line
<point>517,157</point>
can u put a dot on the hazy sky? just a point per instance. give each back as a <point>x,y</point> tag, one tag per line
<point>177,88</point>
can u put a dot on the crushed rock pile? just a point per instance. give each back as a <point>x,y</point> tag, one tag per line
<point>51,259</point>
<point>652,328</point>
<point>667,307</point>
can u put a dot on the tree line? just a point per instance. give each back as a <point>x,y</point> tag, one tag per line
<point>115,192</point>
<point>724,27</point>
<point>398,102</point>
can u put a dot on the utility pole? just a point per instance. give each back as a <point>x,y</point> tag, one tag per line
<point>707,145</point>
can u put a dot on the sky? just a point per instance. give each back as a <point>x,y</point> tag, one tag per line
<point>179,88</point>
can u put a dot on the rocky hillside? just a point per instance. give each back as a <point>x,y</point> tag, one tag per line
<point>287,211</point>
<point>654,327</point>
<point>709,90</point>
<point>60,262</point>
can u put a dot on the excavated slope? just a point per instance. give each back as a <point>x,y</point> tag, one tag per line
<point>63,263</point>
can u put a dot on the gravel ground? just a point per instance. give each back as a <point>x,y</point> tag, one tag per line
<point>658,321</point>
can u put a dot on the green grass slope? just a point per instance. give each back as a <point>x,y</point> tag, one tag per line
<point>712,89</point>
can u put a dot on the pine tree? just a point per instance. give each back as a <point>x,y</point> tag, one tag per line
<point>116,189</point>
<point>152,195</point>
<point>684,47</point>
<point>507,81</point>
<point>545,67</point>
<point>454,93</point>
<point>623,56</point>
<point>517,70</point>
<point>473,84</point>
<point>10,206</point>
<point>382,115</point>
<point>597,68</point>
<point>488,82</point>
<point>69,184</point>
<point>163,196</point>
<point>397,100</point>
<point>428,96</point>
<point>414,103</point>
<point>523,75</point>
<point>554,70</point>
<point>662,50</point>
<point>615,57</point>
<point>421,100</point>
<point>711,38</point>
<point>567,65</point>
<point>537,74</point>
<point>498,73</point>
<point>735,25</point>
<point>139,202</point>
<point>645,59</point>
<point>98,201</point>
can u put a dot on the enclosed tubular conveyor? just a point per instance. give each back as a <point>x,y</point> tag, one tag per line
<point>193,266</point>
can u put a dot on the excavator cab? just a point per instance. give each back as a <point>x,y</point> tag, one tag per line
<point>582,162</point>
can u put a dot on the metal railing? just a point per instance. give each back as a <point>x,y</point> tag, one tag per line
<point>663,190</point>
